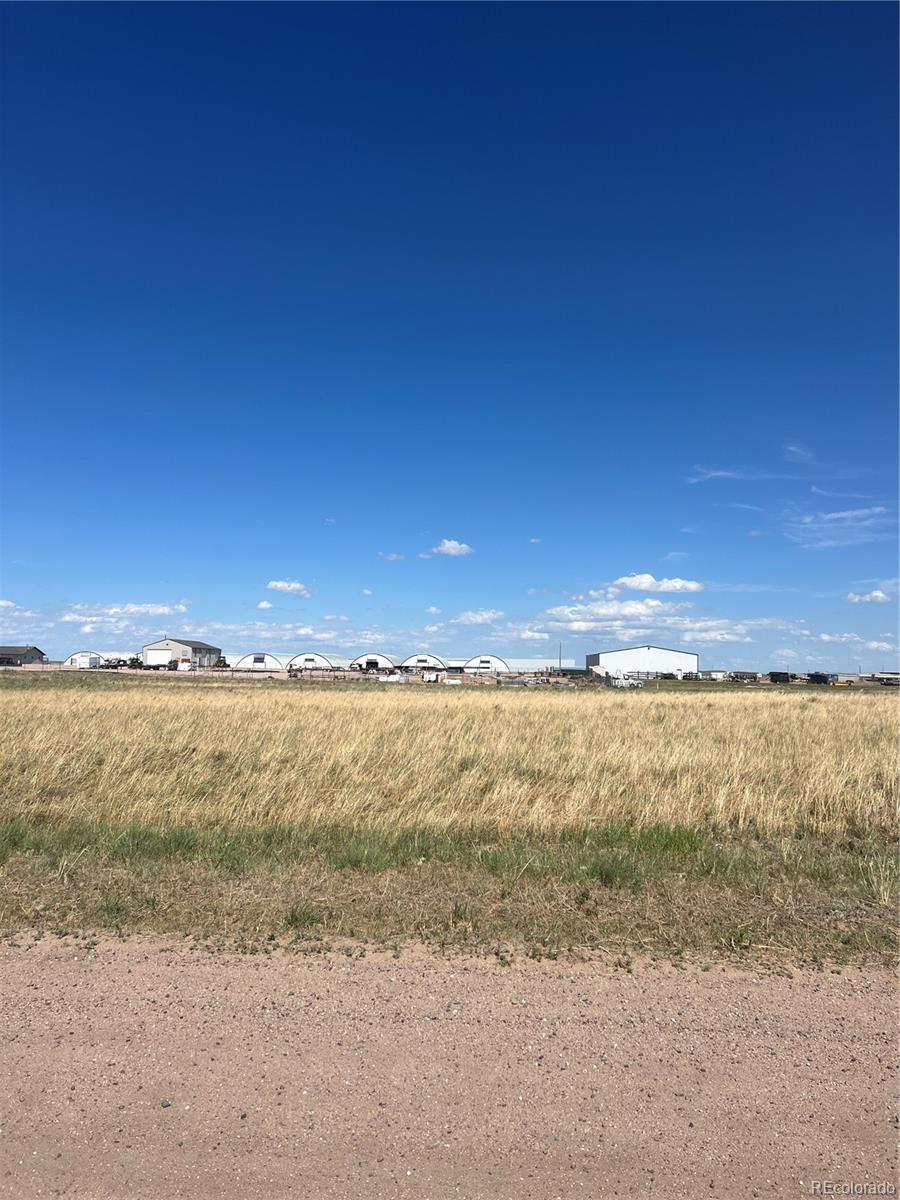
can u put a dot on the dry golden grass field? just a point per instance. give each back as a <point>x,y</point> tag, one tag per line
<point>720,820</point>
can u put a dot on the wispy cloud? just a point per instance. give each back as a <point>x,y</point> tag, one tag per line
<point>534,541</point>
<point>747,587</point>
<point>432,610</point>
<point>391,557</point>
<point>366,592</point>
<point>829,530</point>
<point>746,507</point>
<point>797,452</point>
<point>707,474</point>
<point>648,583</point>
<point>291,586</point>
<point>264,604</point>
<point>840,495</point>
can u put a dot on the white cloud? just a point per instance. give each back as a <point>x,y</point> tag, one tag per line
<point>336,617</point>
<point>786,654</point>
<point>705,474</point>
<point>392,557</point>
<point>647,583</point>
<point>839,637</point>
<point>291,586</point>
<point>432,611</point>
<point>675,556</point>
<point>432,628</point>
<point>481,616</point>
<point>840,495</point>
<point>534,541</point>
<point>714,635</point>
<point>7,604</point>
<point>829,530</point>
<point>798,453</point>
<point>366,592</point>
<point>876,596</point>
<point>264,604</point>
<point>756,533</point>
<point>602,616</point>
<point>452,548</point>
<point>884,646</point>
<point>534,635</point>
<point>145,610</point>
<point>112,617</point>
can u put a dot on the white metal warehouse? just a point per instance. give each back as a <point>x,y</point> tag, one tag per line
<point>644,660</point>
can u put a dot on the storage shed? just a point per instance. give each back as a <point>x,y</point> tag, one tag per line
<point>315,660</point>
<point>85,660</point>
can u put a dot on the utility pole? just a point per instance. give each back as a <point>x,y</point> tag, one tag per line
<point>560,657</point>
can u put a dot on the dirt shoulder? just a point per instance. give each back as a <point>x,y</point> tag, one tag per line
<point>134,1069</point>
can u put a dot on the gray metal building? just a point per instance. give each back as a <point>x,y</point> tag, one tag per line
<point>198,654</point>
<point>21,656</point>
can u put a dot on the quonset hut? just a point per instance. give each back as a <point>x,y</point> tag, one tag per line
<point>375,661</point>
<point>424,662</point>
<point>260,661</point>
<point>85,660</point>
<point>315,660</point>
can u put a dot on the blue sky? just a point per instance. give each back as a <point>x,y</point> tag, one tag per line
<point>475,327</point>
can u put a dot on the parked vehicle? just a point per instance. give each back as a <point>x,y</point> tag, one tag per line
<point>625,681</point>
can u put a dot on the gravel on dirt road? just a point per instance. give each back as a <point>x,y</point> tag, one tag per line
<point>138,1070</point>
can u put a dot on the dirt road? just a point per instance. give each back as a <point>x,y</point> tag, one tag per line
<point>134,1070</point>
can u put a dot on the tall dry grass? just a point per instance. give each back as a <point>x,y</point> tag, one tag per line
<point>415,757</point>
